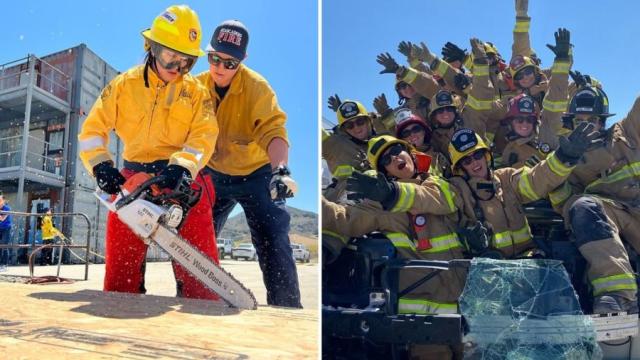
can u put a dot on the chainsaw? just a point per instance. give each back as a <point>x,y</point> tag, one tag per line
<point>156,215</point>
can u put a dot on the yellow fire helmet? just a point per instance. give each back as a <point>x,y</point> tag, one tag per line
<point>464,142</point>
<point>350,110</point>
<point>520,62</point>
<point>490,48</point>
<point>442,99</point>
<point>379,144</point>
<point>176,28</point>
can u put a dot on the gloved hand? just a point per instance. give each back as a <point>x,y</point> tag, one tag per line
<point>423,54</point>
<point>334,102</point>
<point>108,178</point>
<point>476,238</point>
<point>479,54</point>
<point>381,105</point>
<point>461,81</point>
<point>581,138</point>
<point>379,189</point>
<point>522,6</point>
<point>563,44</point>
<point>451,52</point>
<point>389,63</point>
<point>578,78</point>
<point>282,186</point>
<point>172,176</point>
<point>404,48</point>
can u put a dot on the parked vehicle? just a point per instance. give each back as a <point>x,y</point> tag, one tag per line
<point>245,251</point>
<point>300,253</point>
<point>224,247</point>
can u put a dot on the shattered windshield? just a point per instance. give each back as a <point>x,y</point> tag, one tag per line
<point>524,309</point>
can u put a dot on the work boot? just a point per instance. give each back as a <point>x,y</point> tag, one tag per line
<point>607,304</point>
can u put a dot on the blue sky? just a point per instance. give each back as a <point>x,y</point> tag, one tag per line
<point>282,47</point>
<point>605,35</point>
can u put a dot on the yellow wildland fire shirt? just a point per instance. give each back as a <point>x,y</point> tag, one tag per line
<point>173,121</point>
<point>249,118</point>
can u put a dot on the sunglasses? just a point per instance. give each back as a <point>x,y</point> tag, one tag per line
<point>229,64</point>
<point>443,110</point>
<point>524,119</point>
<point>402,85</point>
<point>349,125</point>
<point>387,157</point>
<point>171,59</point>
<point>411,130</point>
<point>477,155</point>
<point>528,71</point>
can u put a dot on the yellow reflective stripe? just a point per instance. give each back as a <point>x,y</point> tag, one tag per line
<point>343,171</point>
<point>468,61</point>
<point>554,106</point>
<point>560,67</point>
<point>613,283</point>
<point>445,189</point>
<point>524,185</point>
<point>522,26</point>
<point>502,239</point>
<point>523,235</point>
<point>406,197</point>
<point>625,172</point>
<point>419,306</point>
<point>443,243</point>
<point>400,240</point>
<point>410,76</point>
<point>325,134</point>
<point>414,63</point>
<point>557,166</point>
<point>342,238</point>
<point>560,194</point>
<point>442,68</point>
<point>481,70</point>
<point>476,104</point>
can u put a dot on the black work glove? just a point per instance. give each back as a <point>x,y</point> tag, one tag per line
<point>461,81</point>
<point>563,44</point>
<point>389,63</point>
<point>579,79</point>
<point>581,138</point>
<point>404,48</point>
<point>476,238</point>
<point>451,52</point>
<point>334,102</point>
<point>172,176</point>
<point>381,105</point>
<point>282,186</point>
<point>108,178</point>
<point>378,189</point>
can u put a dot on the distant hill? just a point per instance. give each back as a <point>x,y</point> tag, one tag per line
<point>303,223</point>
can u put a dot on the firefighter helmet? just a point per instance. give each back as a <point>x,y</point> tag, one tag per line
<point>350,110</point>
<point>177,28</point>
<point>379,144</point>
<point>590,100</point>
<point>443,99</point>
<point>405,118</point>
<point>522,105</point>
<point>519,63</point>
<point>463,143</point>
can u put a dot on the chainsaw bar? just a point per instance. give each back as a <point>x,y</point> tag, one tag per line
<point>202,268</point>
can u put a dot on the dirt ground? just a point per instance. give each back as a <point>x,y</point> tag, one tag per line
<point>79,321</point>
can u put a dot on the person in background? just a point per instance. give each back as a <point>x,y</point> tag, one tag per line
<point>5,230</point>
<point>49,234</point>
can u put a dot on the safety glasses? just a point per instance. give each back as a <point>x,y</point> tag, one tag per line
<point>402,85</point>
<point>528,71</point>
<point>524,119</point>
<point>171,59</point>
<point>416,129</point>
<point>387,157</point>
<point>442,110</point>
<point>349,125</point>
<point>476,155</point>
<point>229,64</point>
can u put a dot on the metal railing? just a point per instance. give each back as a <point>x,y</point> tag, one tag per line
<point>10,148</point>
<point>61,246</point>
<point>47,77</point>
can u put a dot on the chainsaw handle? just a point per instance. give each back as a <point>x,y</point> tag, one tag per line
<point>136,193</point>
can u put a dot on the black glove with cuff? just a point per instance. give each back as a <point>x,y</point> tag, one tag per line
<point>108,178</point>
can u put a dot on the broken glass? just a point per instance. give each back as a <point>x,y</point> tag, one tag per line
<point>524,309</point>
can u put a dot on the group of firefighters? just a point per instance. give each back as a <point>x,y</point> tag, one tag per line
<point>444,176</point>
<point>222,128</point>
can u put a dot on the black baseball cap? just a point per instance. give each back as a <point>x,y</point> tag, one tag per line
<point>230,37</point>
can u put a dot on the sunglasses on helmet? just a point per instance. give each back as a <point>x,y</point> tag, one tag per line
<point>416,129</point>
<point>476,155</point>
<point>349,125</point>
<point>528,71</point>
<point>387,157</point>
<point>229,64</point>
<point>170,59</point>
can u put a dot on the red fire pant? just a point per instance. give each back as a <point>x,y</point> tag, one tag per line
<point>125,252</point>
